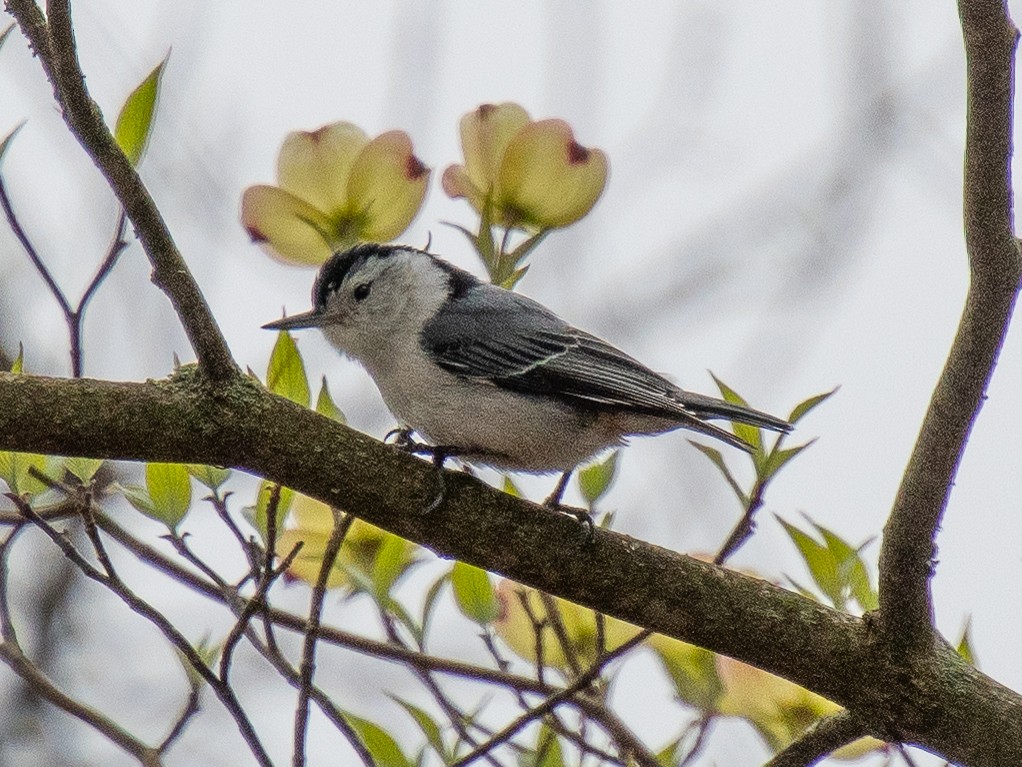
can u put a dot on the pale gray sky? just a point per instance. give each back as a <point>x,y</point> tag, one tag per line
<point>783,209</point>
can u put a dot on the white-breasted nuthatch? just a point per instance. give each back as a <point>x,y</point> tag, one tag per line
<point>490,376</point>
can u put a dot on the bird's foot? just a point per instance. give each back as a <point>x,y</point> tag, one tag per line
<point>583,517</point>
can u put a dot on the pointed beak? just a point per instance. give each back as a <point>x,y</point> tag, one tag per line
<point>312,319</point>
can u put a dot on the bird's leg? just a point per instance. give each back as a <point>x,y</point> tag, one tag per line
<point>440,454</point>
<point>554,501</point>
<point>583,516</point>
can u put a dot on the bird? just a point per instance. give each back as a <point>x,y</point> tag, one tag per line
<point>491,377</point>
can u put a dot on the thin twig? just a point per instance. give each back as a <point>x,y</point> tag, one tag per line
<point>147,611</point>
<point>190,709</point>
<point>307,667</point>
<point>15,659</point>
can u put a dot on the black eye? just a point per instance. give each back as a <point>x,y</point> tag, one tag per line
<point>361,292</point>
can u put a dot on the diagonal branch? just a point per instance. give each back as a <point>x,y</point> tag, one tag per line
<point>53,40</point>
<point>907,554</point>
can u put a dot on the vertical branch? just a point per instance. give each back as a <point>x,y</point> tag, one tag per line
<point>906,557</point>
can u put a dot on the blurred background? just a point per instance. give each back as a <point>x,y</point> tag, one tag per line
<point>784,209</point>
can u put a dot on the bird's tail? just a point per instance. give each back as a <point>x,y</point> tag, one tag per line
<point>704,407</point>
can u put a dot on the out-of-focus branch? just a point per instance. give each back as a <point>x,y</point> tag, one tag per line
<point>53,40</point>
<point>109,578</point>
<point>824,737</point>
<point>907,553</point>
<point>12,655</point>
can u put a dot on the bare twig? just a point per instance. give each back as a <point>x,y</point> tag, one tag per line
<point>191,708</point>
<point>73,317</point>
<point>342,523</point>
<point>147,611</point>
<point>15,659</point>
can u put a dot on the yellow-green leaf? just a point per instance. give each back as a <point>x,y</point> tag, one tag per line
<point>135,120</point>
<point>474,593</point>
<point>83,468</point>
<point>285,374</point>
<point>595,480</point>
<point>965,644</point>
<point>210,476</point>
<point>263,502</point>
<point>378,742</point>
<point>170,489</point>
<point>802,408</point>
<point>14,470</point>
<point>325,404</point>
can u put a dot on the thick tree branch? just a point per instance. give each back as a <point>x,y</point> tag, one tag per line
<point>906,557</point>
<point>55,46</point>
<point>939,702</point>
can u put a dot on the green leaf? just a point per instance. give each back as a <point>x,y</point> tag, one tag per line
<point>474,593</point>
<point>14,470</point>
<point>137,497</point>
<point>263,502</point>
<point>325,404</point>
<point>802,408</point>
<point>431,601</point>
<point>380,744</point>
<point>429,727</point>
<point>208,652</point>
<point>750,434</point>
<point>83,468</point>
<point>853,575</point>
<point>170,490</point>
<point>595,480</point>
<point>18,366</point>
<point>548,749</point>
<point>7,140</point>
<point>777,458</point>
<point>209,476</point>
<point>392,560</point>
<point>285,374</point>
<point>509,487</point>
<point>515,277</point>
<point>718,460</point>
<point>693,671</point>
<point>135,120</point>
<point>965,644</point>
<point>821,563</point>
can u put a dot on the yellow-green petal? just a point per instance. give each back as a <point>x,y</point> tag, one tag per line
<point>285,226</point>
<point>386,187</point>
<point>547,179</point>
<point>485,135</point>
<point>315,165</point>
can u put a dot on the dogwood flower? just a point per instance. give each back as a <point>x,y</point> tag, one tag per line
<point>335,187</point>
<point>531,175</point>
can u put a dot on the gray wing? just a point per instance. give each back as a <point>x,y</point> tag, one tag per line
<point>494,335</point>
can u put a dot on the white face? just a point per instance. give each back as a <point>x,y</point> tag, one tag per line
<point>381,305</point>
